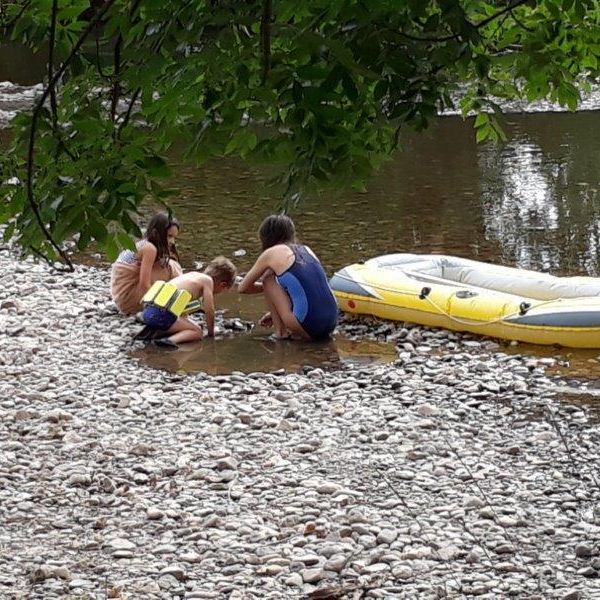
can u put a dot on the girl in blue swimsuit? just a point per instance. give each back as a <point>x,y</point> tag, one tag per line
<point>293,282</point>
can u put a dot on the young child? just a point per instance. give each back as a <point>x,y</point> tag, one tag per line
<point>217,277</point>
<point>134,272</point>
<point>294,284</point>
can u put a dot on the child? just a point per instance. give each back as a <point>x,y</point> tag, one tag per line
<point>134,272</point>
<point>218,276</point>
<point>294,284</point>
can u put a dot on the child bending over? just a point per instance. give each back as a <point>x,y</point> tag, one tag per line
<point>217,277</point>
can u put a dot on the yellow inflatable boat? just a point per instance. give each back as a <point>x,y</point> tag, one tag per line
<point>466,295</point>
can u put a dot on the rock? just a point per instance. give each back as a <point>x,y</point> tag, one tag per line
<point>227,463</point>
<point>154,513</point>
<point>387,536</point>
<point>328,488</point>
<point>117,544</point>
<point>294,580</point>
<point>335,563</point>
<point>473,502</point>
<point>427,410</point>
<point>174,571</point>
<point>39,574</point>
<point>62,573</point>
<point>402,572</point>
<point>312,575</point>
<point>583,550</point>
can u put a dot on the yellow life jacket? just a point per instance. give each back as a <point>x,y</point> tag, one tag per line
<point>176,301</point>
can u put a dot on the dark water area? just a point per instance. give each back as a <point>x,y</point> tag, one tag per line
<point>20,65</point>
<point>533,202</point>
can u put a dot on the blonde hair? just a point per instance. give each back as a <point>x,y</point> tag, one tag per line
<point>221,269</point>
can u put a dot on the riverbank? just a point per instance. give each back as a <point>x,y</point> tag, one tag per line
<point>439,475</point>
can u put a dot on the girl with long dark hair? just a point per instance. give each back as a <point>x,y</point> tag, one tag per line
<point>135,271</point>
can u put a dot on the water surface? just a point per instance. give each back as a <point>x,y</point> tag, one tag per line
<point>257,351</point>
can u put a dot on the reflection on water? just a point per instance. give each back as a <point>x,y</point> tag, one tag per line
<point>258,352</point>
<point>532,202</point>
<point>540,194</point>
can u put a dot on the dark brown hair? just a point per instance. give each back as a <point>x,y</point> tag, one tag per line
<point>157,234</point>
<point>221,269</point>
<point>277,229</point>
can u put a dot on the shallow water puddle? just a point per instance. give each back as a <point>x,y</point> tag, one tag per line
<point>255,351</point>
<point>576,373</point>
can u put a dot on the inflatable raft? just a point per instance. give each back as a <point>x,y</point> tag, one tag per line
<point>466,295</point>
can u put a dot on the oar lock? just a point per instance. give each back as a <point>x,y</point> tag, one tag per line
<point>424,293</point>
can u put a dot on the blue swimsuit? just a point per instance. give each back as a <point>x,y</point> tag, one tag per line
<point>313,302</point>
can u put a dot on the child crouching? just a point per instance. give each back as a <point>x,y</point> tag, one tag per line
<point>217,277</point>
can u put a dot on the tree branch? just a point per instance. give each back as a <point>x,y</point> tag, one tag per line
<point>125,120</point>
<point>265,36</point>
<point>34,121</point>
<point>456,36</point>
<point>506,9</point>
<point>51,44</point>
<point>98,65</point>
<point>116,87</point>
<point>519,23</point>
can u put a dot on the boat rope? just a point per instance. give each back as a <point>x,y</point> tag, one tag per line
<point>502,319</point>
<point>426,296</point>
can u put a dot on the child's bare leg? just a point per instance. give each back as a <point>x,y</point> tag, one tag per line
<point>183,331</point>
<point>276,322</point>
<point>280,305</point>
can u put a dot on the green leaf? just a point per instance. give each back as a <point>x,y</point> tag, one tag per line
<point>483,133</point>
<point>111,248</point>
<point>481,119</point>
<point>125,241</point>
<point>156,166</point>
<point>97,230</point>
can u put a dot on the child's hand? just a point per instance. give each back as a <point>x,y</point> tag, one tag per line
<point>266,320</point>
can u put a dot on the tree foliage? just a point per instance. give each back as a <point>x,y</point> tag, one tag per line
<point>323,87</point>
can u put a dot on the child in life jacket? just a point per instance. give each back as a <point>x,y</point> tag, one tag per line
<point>165,303</point>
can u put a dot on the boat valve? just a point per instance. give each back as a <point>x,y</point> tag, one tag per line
<point>524,307</point>
<point>424,293</point>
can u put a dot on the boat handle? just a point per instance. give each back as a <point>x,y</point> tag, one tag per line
<point>524,307</point>
<point>424,293</point>
<point>462,294</point>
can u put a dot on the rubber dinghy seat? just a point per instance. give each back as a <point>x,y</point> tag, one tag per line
<point>520,282</point>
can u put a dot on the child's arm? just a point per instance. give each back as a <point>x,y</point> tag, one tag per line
<point>148,256</point>
<point>250,283</point>
<point>208,303</point>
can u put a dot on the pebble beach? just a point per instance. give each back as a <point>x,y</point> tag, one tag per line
<point>453,472</point>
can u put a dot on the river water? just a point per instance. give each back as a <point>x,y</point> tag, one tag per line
<point>532,202</point>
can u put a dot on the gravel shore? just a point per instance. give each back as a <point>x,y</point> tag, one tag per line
<point>453,472</point>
